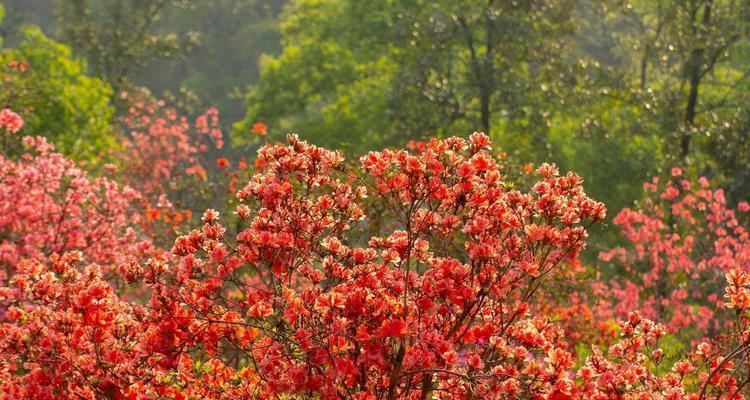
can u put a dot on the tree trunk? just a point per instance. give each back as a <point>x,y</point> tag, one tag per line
<point>485,110</point>
<point>694,77</point>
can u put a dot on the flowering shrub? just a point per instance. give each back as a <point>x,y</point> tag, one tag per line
<point>441,302</point>
<point>681,243</point>
<point>634,367</point>
<point>168,159</point>
<point>163,146</point>
<point>49,205</point>
<point>10,121</point>
<point>66,335</point>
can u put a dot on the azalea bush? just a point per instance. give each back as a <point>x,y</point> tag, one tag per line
<point>680,244</point>
<point>175,162</point>
<point>162,147</point>
<point>437,304</point>
<point>426,273</point>
<point>48,204</point>
<point>66,334</point>
<point>180,165</point>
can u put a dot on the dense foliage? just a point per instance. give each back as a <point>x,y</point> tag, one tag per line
<point>447,299</point>
<point>634,86</point>
<point>49,205</point>
<point>40,78</point>
<point>146,254</point>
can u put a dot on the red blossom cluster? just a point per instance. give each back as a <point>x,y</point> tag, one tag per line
<point>162,145</point>
<point>419,274</point>
<point>66,335</point>
<point>260,128</point>
<point>681,242</point>
<point>440,304</point>
<point>50,205</point>
<point>10,121</point>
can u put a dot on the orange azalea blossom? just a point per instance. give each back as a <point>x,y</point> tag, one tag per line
<point>260,128</point>
<point>222,163</point>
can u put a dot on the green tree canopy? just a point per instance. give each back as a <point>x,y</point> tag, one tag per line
<point>618,91</point>
<point>366,73</point>
<point>55,96</point>
<point>117,37</point>
<point>676,80</point>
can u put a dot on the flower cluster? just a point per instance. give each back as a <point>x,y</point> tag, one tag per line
<point>66,335</point>
<point>164,146</point>
<point>10,121</point>
<point>680,243</point>
<point>50,205</point>
<point>437,304</point>
<point>636,367</point>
